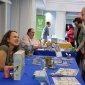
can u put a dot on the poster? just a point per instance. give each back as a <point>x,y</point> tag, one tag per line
<point>40,24</point>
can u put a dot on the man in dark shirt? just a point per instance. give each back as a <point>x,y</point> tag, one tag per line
<point>46,32</point>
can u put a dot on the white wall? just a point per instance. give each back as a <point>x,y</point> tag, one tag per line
<point>15,12</point>
<point>32,13</point>
<point>7,17</point>
<point>2,20</point>
<point>39,12</point>
<point>4,17</point>
<point>20,16</point>
<point>60,24</point>
<point>23,15</point>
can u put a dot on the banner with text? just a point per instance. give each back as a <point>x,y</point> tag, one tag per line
<point>40,24</point>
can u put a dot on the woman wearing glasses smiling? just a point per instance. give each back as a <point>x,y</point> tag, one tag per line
<point>29,39</point>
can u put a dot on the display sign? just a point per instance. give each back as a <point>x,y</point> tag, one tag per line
<point>40,24</point>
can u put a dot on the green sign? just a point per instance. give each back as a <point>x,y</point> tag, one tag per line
<point>40,24</point>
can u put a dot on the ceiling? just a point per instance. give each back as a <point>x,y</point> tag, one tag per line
<point>61,5</point>
<point>40,4</point>
<point>65,1</point>
<point>7,1</point>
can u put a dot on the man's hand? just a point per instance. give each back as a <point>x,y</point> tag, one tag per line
<point>77,50</point>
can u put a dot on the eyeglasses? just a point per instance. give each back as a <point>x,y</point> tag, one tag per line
<point>32,32</point>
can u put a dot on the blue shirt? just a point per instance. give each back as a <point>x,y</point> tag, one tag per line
<point>45,33</point>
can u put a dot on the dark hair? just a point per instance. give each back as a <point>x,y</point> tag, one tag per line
<point>71,26</point>
<point>77,19</point>
<point>29,30</point>
<point>5,37</point>
<point>48,23</point>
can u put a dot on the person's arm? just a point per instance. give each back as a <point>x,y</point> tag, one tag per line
<point>36,47</point>
<point>38,44</point>
<point>70,32</point>
<point>75,33</point>
<point>82,42</point>
<point>24,41</point>
<point>80,46</point>
<point>3,55</point>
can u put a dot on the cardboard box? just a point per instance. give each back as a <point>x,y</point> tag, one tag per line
<point>65,45</point>
<point>19,58</point>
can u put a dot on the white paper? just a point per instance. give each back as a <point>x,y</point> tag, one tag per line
<point>67,72</point>
<point>65,81</point>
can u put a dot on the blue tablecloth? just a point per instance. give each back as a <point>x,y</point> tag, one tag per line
<point>48,52</point>
<point>29,69</point>
<point>72,66</point>
<point>73,53</point>
<point>27,78</point>
<point>45,52</point>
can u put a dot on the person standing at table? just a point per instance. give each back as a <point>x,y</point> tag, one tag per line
<point>9,44</point>
<point>29,39</point>
<point>79,35</point>
<point>45,33</point>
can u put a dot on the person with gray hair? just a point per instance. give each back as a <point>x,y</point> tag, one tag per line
<point>29,39</point>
